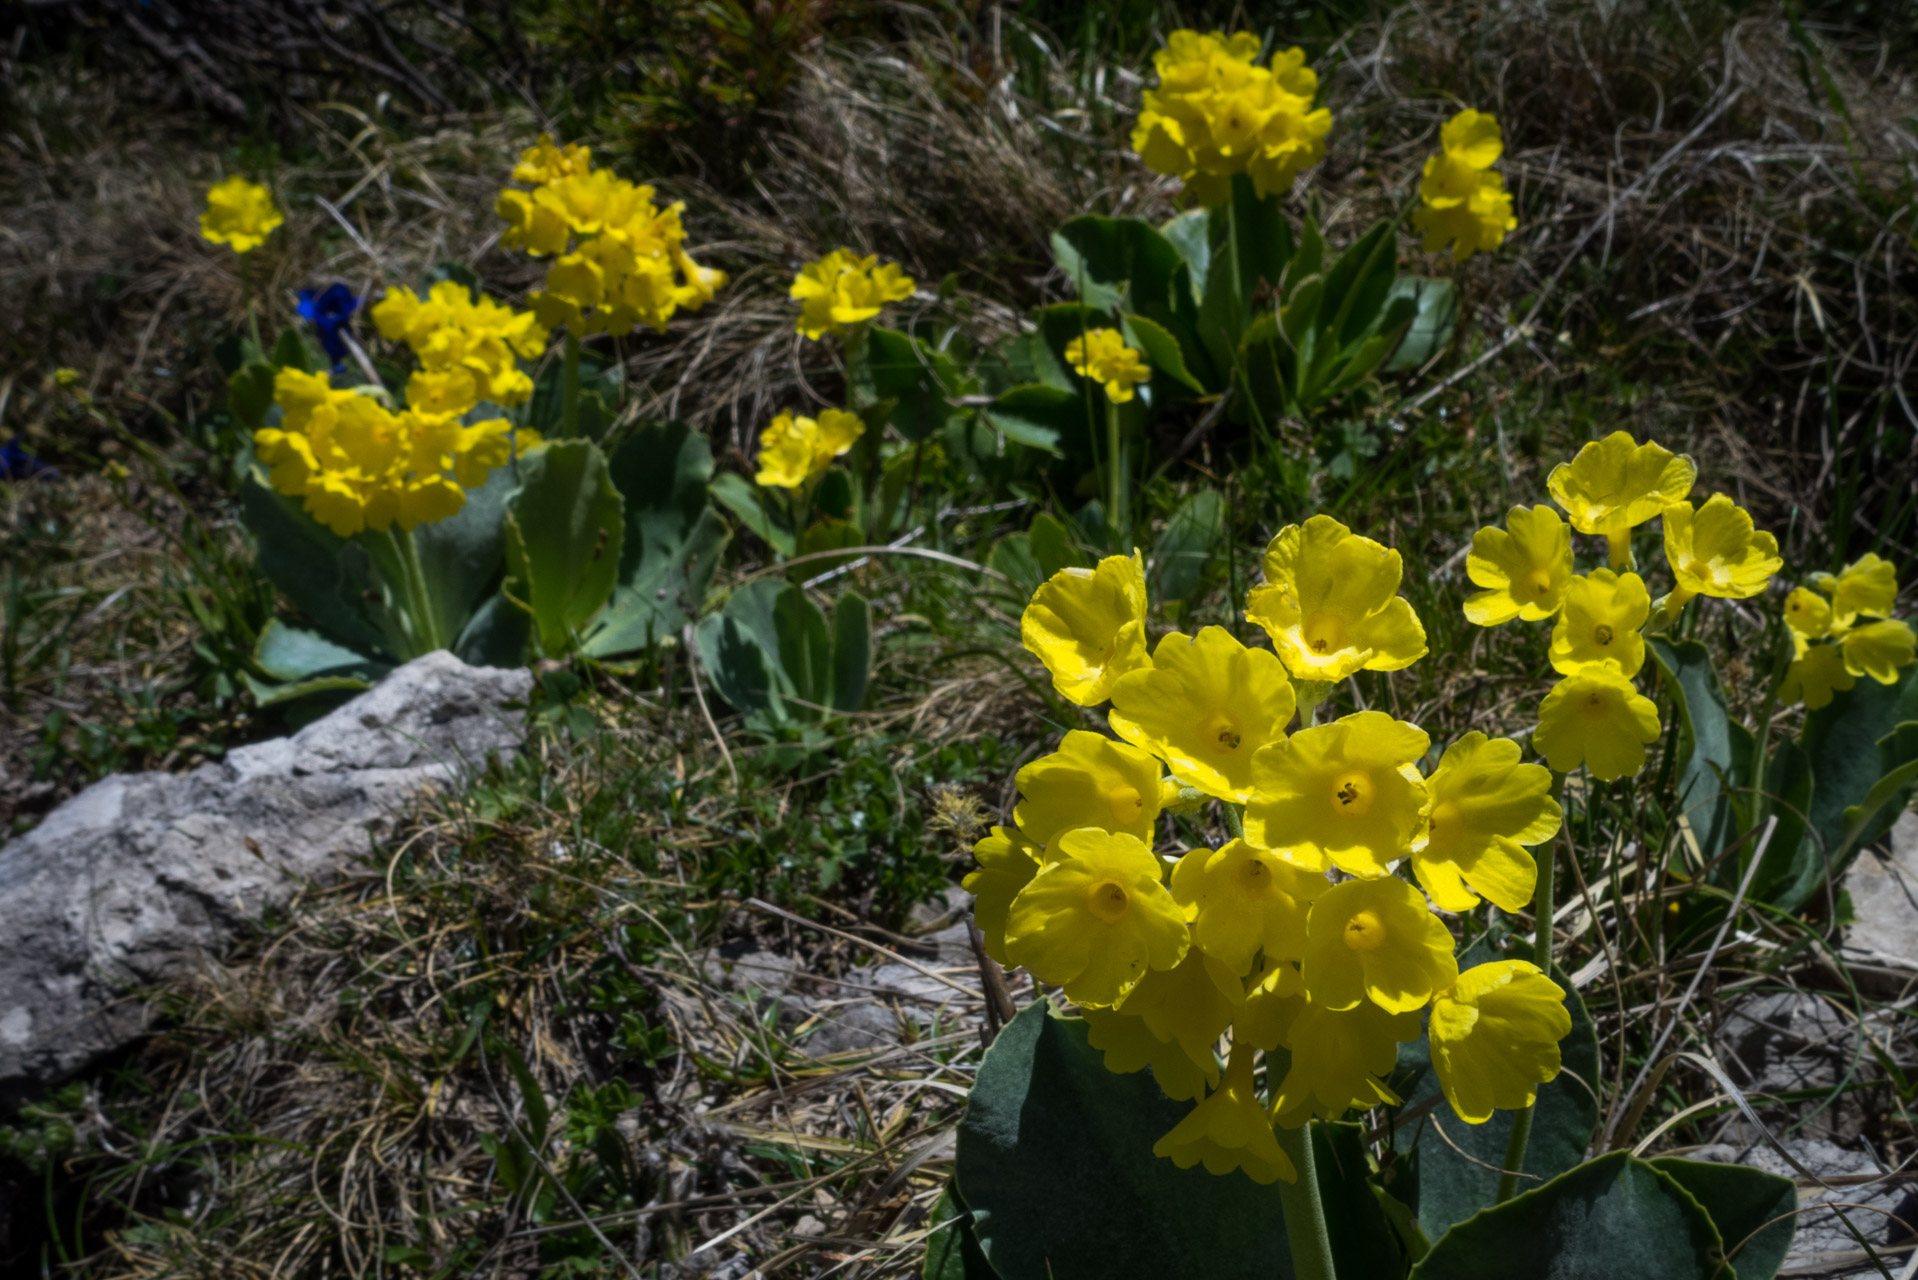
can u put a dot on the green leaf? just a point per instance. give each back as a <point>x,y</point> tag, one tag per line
<point>1447,1187</point>
<point>1611,1218</point>
<point>1052,546</point>
<point>1116,262</point>
<point>1184,548</point>
<point>826,535</point>
<point>740,648</point>
<point>1794,863</point>
<point>291,352</point>
<point>952,1248</point>
<point>496,634</point>
<point>292,654</point>
<point>1358,284</point>
<point>1841,740</point>
<point>329,579</point>
<point>463,555</point>
<point>1038,416</point>
<point>1755,1212</point>
<point>1432,324</point>
<point>919,378</point>
<point>1190,235</point>
<point>1160,349</point>
<point>564,533</point>
<point>805,650</point>
<point>1887,795</point>
<point>851,651</point>
<point>270,695</point>
<point>1265,242</point>
<point>1705,752</point>
<point>249,393</point>
<point>741,497</point>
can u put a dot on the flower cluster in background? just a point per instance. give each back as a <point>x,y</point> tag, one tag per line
<point>620,259</point>
<point>794,452</point>
<point>1216,113</point>
<point>1462,199</point>
<point>466,344</point>
<point>239,214</point>
<point>843,289</point>
<point>1843,630</point>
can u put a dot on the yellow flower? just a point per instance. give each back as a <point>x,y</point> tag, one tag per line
<point>1524,571</point>
<point>843,289</point>
<point>1190,1004</point>
<point>1461,200</point>
<point>1230,1130</point>
<point>1714,551</point>
<point>1346,791</point>
<point>793,452</point>
<point>1602,625</point>
<point>239,214</point>
<point>468,346</point>
<point>1869,585</point>
<point>1329,603</point>
<point>1614,485</point>
<point>543,162</point>
<point>1007,863</point>
<point>1088,627</point>
<point>1597,719</point>
<point>1204,706</point>
<point>1096,920</point>
<point>1815,675</point>
<point>1241,898</point>
<point>1495,1038</point>
<point>1130,1046</point>
<point>1807,613</point>
<point>1476,225</point>
<point>1878,649</point>
<point>1103,356</point>
<point>1271,1007</point>
<point>1090,781</point>
<point>1376,940</point>
<point>1486,807</point>
<point>1338,1061</point>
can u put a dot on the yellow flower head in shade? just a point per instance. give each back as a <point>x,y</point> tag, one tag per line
<point>1495,1038</point>
<point>239,214</point>
<point>843,289</point>
<point>1090,781</point>
<point>794,451</point>
<point>544,162</point>
<point>1807,613</point>
<point>1869,585</point>
<point>1204,706</point>
<point>1486,807</point>
<point>468,346</point>
<point>1339,1060</point>
<point>1347,792</point>
<point>1523,567</point>
<point>1230,1130</point>
<point>1129,1045</point>
<point>1007,863</point>
<point>1330,603</point>
<point>1271,1006</point>
<point>1462,202</point>
<point>1096,920</point>
<point>1190,1004</point>
<point>1376,940</point>
<point>1088,627</point>
<point>1714,551</point>
<point>1878,649</point>
<point>1242,898</point>
<point>1102,356</point>
<point>1614,485</point>
<point>1602,624</point>
<point>1815,675</point>
<point>1596,718</point>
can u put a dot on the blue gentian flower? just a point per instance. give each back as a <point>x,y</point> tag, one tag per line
<point>330,312</point>
<point>17,464</point>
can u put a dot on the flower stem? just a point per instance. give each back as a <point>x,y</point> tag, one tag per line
<point>569,390</point>
<point>1542,908</point>
<point>1117,515</point>
<point>1304,1210</point>
<point>252,312</point>
<point>426,622</point>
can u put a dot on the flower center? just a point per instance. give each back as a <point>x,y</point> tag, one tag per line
<point>1365,931</point>
<point>1108,901</point>
<point>1446,822</point>
<point>1255,879</point>
<point>1127,804</point>
<point>1602,634</point>
<point>1324,633</point>
<point>1353,793</point>
<point>1699,569</point>
<point>1539,582</point>
<point>1223,728</point>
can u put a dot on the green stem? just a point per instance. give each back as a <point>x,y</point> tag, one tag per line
<point>426,622</point>
<point>252,312</point>
<point>569,396</point>
<point>1304,1210</point>
<point>1118,522</point>
<point>1543,906</point>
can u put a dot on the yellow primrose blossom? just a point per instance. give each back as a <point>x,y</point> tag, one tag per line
<point>1204,706</point>
<point>1102,356</point>
<point>1603,624</point>
<point>1714,551</point>
<point>1339,1061</point>
<point>544,162</point>
<point>1230,1130</point>
<point>1614,485</point>
<point>1815,675</point>
<point>1007,863</point>
<point>1096,920</point>
<point>1462,201</point>
<point>467,344</point>
<point>1868,585</point>
<point>1347,792</point>
<point>1486,807</point>
<point>1495,1038</point>
<point>1596,718</point>
<point>1523,567</point>
<point>1272,1005</point>
<point>1088,627</point>
<point>1129,1045</point>
<point>1808,613</point>
<point>1242,899</point>
<point>794,451</point>
<point>1376,940</point>
<point>239,214</point>
<point>1331,606</point>
<point>1878,649</point>
<point>843,289</point>
<point>1090,781</point>
<point>1190,1004</point>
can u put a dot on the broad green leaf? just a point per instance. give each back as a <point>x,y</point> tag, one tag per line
<point>1052,545</point>
<point>747,501</point>
<point>805,650</point>
<point>1190,235</point>
<point>1887,795</point>
<point>1794,863</point>
<point>825,535</point>
<point>1116,262</point>
<point>1612,1218</point>
<point>496,634</point>
<point>952,1248</point>
<point>1012,556</point>
<point>249,393</point>
<point>291,352</point>
<point>463,555</point>
<point>1755,1212</point>
<point>1185,546</point>
<point>1704,742</point>
<point>276,695</point>
<point>564,532</point>
<point>1265,246</point>
<point>329,579</point>
<point>291,654</point>
<point>1431,330</point>
<point>851,651</point>
<point>1841,741</point>
<point>1357,285</point>
<point>921,379</point>
<point>1161,350</point>
<point>1038,416</point>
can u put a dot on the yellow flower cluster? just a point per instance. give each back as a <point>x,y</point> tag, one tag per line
<point>1216,112</point>
<point>793,452</point>
<point>1103,356</point>
<point>466,345</point>
<point>620,259</point>
<point>1462,201</point>
<point>844,289</point>
<point>239,214</point>
<point>359,465</point>
<point>1168,955</point>
<point>1836,640</point>
<point>1594,715</point>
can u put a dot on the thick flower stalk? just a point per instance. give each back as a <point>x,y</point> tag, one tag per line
<point>1462,199</point>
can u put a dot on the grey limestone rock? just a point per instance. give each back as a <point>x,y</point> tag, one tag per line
<point>137,877</point>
